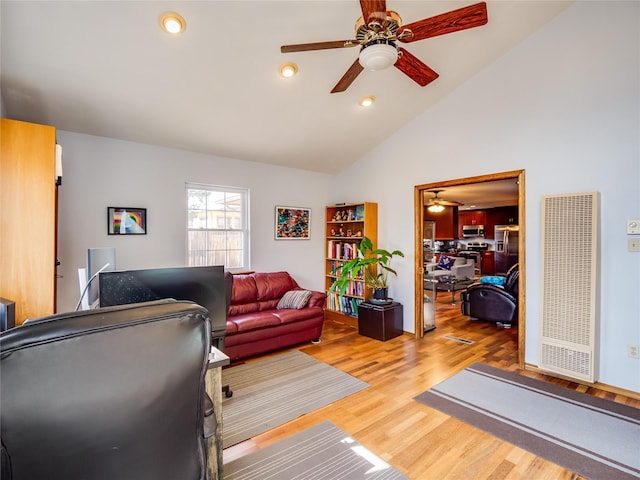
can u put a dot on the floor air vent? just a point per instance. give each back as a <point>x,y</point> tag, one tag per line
<point>458,339</point>
<point>569,290</point>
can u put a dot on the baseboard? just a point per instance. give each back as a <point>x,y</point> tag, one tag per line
<point>601,386</point>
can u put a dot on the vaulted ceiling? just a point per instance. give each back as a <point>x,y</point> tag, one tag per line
<point>106,68</point>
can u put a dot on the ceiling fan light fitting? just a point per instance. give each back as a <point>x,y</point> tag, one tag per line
<point>378,56</point>
<point>435,208</point>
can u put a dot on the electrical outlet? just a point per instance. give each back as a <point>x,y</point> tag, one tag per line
<point>634,244</point>
<point>633,351</point>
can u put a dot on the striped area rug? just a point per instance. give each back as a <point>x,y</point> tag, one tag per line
<point>275,390</point>
<point>322,452</point>
<point>593,437</point>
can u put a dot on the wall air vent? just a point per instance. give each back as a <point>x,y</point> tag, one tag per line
<point>569,326</point>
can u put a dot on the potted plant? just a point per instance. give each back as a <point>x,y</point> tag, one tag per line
<point>371,265</point>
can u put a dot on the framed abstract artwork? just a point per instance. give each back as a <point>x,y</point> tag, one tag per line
<point>126,221</point>
<point>293,223</point>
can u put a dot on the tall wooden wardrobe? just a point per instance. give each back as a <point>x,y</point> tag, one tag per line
<point>28,218</point>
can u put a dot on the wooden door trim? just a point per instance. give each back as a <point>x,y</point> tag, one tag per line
<point>418,196</point>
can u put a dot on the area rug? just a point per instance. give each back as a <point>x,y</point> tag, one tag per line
<point>275,390</point>
<point>322,452</point>
<point>596,438</point>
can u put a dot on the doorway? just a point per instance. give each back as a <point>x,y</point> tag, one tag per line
<point>419,219</point>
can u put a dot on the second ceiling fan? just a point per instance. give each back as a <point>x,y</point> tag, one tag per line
<point>378,31</point>
<point>437,204</point>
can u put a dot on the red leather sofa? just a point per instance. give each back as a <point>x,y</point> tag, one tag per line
<point>255,325</point>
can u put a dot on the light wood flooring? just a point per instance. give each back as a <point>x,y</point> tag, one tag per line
<point>420,442</point>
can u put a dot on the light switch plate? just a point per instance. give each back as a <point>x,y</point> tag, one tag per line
<point>633,227</point>
<point>634,244</point>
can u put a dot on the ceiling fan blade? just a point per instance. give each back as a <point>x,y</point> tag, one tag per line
<point>445,203</point>
<point>374,11</point>
<point>414,68</point>
<point>303,47</point>
<point>348,78</point>
<point>460,19</point>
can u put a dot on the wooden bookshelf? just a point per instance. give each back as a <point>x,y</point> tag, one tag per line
<point>345,226</point>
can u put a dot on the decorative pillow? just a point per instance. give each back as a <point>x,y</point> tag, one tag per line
<point>446,262</point>
<point>493,280</point>
<point>296,299</point>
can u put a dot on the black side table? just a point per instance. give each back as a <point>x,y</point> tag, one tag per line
<point>381,322</point>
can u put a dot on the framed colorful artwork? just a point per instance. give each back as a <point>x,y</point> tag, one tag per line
<point>126,221</point>
<point>293,223</point>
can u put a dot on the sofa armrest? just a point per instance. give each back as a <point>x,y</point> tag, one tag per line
<point>317,299</point>
<point>462,271</point>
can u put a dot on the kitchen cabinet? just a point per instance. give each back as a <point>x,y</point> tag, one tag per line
<point>488,263</point>
<point>446,222</point>
<point>500,216</point>
<point>471,217</point>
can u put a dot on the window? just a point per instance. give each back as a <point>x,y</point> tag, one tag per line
<point>217,226</point>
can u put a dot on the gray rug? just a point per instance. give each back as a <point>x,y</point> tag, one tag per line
<point>322,452</point>
<point>593,437</point>
<point>273,391</point>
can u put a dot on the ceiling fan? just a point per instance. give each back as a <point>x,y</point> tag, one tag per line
<point>377,32</point>
<point>437,204</point>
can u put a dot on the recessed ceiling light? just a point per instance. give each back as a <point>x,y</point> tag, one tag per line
<point>288,70</point>
<point>367,101</point>
<point>172,22</point>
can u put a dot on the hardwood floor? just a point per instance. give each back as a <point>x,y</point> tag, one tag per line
<point>421,442</point>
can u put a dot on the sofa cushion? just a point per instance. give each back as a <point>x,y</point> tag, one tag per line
<point>243,308</point>
<point>255,321</point>
<point>493,280</point>
<point>446,262</point>
<point>292,315</point>
<point>295,299</point>
<point>273,285</point>
<point>244,289</point>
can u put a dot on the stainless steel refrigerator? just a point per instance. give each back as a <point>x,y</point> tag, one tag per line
<point>506,247</point>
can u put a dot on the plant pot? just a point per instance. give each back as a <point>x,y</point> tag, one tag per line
<point>380,293</point>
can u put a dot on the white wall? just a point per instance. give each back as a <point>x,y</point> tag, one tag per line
<point>101,173</point>
<point>564,105</point>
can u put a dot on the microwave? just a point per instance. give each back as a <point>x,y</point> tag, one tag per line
<point>472,231</point>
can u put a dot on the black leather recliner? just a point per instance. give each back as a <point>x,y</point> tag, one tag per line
<point>493,303</point>
<point>113,393</point>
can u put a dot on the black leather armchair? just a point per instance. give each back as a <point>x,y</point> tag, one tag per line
<point>113,393</point>
<point>493,303</point>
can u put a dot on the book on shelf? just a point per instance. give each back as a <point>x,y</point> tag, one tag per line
<point>342,250</point>
<point>344,304</point>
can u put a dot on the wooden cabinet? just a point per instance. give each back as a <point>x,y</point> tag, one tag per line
<point>487,267</point>
<point>345,226</point>
<point>381,322</point>
<point>471,217</point>
<point>500,216</point>
<point>446,222</point>
<point>28,213</point>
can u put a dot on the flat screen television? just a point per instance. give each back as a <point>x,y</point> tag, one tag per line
<point>202,285</point>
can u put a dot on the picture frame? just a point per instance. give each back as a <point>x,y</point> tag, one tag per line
<point>292,223</point>
<point>126,221</point>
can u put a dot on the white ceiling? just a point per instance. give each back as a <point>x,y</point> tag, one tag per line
<point>105,68</point>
